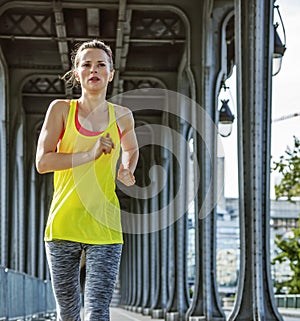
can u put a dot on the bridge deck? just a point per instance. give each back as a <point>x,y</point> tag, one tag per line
<point>118,314</point>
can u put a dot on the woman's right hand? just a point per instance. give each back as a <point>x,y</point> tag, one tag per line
<point>104,145</point>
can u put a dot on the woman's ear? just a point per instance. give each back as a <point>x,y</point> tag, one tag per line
<point>76,76</point>
<point>112,73</point>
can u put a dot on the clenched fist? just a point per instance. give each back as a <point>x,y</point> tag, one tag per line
<point>103,145</point>
<point>125,176</point>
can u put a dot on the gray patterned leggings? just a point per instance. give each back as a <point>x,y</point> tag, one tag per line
<point>102,265</point>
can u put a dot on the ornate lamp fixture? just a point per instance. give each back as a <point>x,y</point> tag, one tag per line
<point>226,117</point>
<point>279,47</point>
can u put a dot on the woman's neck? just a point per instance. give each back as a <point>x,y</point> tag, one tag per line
<point>92,101</point>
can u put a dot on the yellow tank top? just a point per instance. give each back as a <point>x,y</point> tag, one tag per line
<point>85,207</point>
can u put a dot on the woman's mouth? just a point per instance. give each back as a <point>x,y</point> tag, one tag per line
<point>94,79</point>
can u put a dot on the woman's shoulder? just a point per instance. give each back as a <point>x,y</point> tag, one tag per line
<point>124,117</point>
<point>60,104</point>
<point>59,107</point>
<point>122,111</point>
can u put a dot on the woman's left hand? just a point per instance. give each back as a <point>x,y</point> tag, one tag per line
<point>125,176</point>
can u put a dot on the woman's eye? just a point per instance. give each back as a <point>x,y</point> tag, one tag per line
<point>102,65</point>
<point>85,65</point>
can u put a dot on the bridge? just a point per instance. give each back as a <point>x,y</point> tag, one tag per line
<point>171,60</point>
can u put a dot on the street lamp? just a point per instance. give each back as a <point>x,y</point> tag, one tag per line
<point>279,47</point>
<point>226,117</point>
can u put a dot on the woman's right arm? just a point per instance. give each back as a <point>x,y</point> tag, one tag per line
<point>47,159</point>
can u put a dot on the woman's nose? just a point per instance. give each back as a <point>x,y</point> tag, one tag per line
<point>94,68</point>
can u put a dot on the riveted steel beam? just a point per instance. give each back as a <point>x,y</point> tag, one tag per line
<point>122,45</point>
<point>61,34</point>
<point>206,302</point>
<point>130,40</point>
<point>254,41</point>
<point>61,39</point>
<point>93,22</point>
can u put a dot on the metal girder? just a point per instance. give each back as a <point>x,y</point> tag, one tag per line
<point>128,41</point>
<point>122,45</point>
<point>174,27</point>
<point>109,6</point>
<point>61,34</point>
<point>93,22</point>
<point>61,38</point>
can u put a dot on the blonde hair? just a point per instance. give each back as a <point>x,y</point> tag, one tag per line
<point>69,76</point>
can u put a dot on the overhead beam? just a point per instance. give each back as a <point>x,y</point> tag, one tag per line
<point>122,45</point>
<point>131,40</point>
<point>61,33</point>
<point>93,22</point>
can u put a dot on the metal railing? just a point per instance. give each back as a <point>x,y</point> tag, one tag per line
<point>288,301</point>
<point>23,297</point>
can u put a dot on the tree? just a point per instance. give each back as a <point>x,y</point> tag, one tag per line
<point>289,166</point>
<point>289,245</point>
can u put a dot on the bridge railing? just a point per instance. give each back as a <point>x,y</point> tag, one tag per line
<point>23,296</point>
<point>288,301</point>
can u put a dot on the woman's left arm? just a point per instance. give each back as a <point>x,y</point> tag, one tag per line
<point>129,145</point>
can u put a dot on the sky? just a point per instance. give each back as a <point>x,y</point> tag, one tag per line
<point>285,100</point>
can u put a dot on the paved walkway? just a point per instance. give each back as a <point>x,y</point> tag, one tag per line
<point>118,314</point>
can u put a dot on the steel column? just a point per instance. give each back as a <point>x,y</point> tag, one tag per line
<point>179,301</point>
<point>32,228</point>
<point>254,47</point>
<point>138,263</point>
<point>161,295</point>
<point>146,262</point>
<point>131,272</point>
<point>3,195</point>
<point>3,162</point>
<point>134,262</point>
<point>206,303</point>
<point>123,273</point>
<point>154,258</point>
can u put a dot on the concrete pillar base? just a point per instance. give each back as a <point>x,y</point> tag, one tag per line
<point>203,318</point>
<point>172,316</point>
<point>157,314</point>
<point>146,311</point>
<point>139,310</point>
<point>134,309</point>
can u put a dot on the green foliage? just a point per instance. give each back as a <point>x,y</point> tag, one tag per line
<point>289,252</point>
<point>289,187</point>
<point>289,166</point>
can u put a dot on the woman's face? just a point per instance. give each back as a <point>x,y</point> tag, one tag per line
<point>93,69</point>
